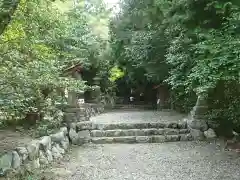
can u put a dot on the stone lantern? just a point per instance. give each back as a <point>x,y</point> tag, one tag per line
<point>200,109</point>
<point>198,121</point>
<point>74,97</point>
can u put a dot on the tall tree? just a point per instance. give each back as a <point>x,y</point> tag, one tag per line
<point>140,46</point>
<point>39,42</point>
<point>192,45</point>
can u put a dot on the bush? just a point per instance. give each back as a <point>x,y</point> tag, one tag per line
<point>224,105</point>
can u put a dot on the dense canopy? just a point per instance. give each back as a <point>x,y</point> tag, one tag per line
<point>193,46</point>
<point>41,40</point>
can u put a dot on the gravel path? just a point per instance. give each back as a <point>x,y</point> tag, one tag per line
<point>133,116</point>
<point>168,161</point>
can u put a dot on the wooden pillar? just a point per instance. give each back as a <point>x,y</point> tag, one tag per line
<point>71,98</point>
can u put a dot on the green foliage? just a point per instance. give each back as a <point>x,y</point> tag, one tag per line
<point>139,46</point>
<point>203,52</point>
<point>116,73</point>
<point>224,105</point>
<point>29,65</point>
<point>37,45</point>
<point>191,45</point>
<point>86,43</point>
<point>7,9</point>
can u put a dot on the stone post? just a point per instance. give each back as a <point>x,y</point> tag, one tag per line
<point>71,98</point>
<point>200,109</point>
<point>198,121</point>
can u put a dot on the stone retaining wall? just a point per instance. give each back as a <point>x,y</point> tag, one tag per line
<point>43,151</point>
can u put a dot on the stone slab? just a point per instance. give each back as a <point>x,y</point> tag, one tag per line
<point>138,139</point>
<point>156,125</point>
<point>137,132</point>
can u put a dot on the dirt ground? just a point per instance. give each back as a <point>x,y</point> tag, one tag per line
<point>10,139</point>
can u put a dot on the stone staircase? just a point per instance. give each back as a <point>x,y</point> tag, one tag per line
<point>154,132</point>
<point>138,126</point>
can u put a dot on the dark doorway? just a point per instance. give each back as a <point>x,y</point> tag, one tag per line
<point>143,94</point>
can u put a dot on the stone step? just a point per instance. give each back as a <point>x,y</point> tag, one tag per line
<point>143,125</point>
<point>141,139</point>
<point>137,132</point>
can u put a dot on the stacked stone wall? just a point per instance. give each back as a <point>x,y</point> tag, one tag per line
<point>43,151</point>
